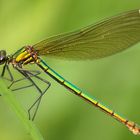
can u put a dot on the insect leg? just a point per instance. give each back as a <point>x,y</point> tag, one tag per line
<point>6,67</point>
<point>28,76</point>
<point>31,74</point>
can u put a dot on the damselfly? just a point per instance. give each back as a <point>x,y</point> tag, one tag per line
<point>103,39</point>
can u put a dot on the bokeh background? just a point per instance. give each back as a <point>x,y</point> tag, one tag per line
<point>113,80</point>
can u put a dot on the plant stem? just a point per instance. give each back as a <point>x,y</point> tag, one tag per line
<point>20,112</point>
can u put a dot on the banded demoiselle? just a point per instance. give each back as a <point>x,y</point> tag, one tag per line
<point>105,38</point>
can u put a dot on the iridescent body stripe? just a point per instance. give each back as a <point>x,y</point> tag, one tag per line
<point>131,125</point>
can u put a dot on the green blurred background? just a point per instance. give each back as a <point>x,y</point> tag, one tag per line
<point>113,80</point>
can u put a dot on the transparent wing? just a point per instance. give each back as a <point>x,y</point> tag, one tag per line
<point>95,41</point>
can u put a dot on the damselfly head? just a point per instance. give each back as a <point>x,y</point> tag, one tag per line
<point>3,57</point>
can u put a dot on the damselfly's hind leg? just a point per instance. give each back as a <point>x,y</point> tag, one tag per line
<point>38,100</point>
<point>29,75</point>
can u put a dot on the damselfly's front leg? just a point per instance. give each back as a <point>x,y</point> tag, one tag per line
<point>6,67</point>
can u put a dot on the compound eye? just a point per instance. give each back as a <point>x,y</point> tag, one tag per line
<point>2,57</point>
